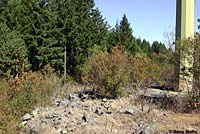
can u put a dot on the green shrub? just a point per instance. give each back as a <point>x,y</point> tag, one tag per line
<point>146,72</point>
<point>193,101</point>
<point>109,72</point>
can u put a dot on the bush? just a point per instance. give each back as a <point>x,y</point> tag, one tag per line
<point>146,72</point>
<point>193,101</point>
<point>20,95</point>
<point>109,72</point>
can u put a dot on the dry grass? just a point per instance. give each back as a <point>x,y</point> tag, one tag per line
<point>20,95</point>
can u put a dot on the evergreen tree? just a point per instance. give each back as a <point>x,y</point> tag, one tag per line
<point>33,20</point>
<point>114,36</point>
<point>99,29</point>
<point>123,35</point>
<point>126,33</point>
<point>145,46</point>
<point>158,47</point>
<point>13,53</point>
<point>78,27</point>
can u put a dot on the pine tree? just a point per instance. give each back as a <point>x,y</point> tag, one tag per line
<point>126,33</point>
<point>78,27</point>
<point>32,19</point>
<point>13,53</point>
<point>158,47</point>
<point>99,29</point>
<point>145,46</point>
<point>49,26</point>
<point>123,35</point>
<point>115,36</point>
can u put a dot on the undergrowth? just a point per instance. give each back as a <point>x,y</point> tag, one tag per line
<point>21,95</point>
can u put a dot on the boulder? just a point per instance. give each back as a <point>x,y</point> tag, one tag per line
<point>27,117</point>
<point>127,110</point>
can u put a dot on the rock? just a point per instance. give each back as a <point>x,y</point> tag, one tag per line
<point>52,116</point>
<point>46,121</point>
<point>70,112</point>
<point>24,123</point>
<point>57,121</point>
<point>86,107</point>
<point>156,93</point>
<point>75,105</point>
<point>60,130</point>
<point>35,112</point>
<point>148,129</point>
<point>109,111</point>
<point>84,96</point>
<point>85,118</point>
<point>57,102</point>
<point>126,111</point>
<point>104,100</point>
<point>64,103</point>
<point>74,97</point>
<point>106,105</point>
<point>114,131</point>
<point>64,131</point>
<point>27,117</point>
<point>99,111</point>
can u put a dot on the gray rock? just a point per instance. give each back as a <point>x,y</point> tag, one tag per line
<point>27,117</point>
<point>126,111</point>
<point>64,103</point>
<point>157,93</point>
<point>57,102</point>
<point>75,105</point>
<point>57,121</point>
<point>86,107</point>
<point>85,118</point>
<point>70,112</point>
<point>114,131</point>
<point>73,97</point>
<point>148,129</point>
<point>99,111</point>
<point>60,130</point>
<point>64,131</point>
<point>24,123</point>
<point>104,100</point>
<point>35,112</point>
<point>84,96</point>
<point>47,121</point>
<point>52,116</point>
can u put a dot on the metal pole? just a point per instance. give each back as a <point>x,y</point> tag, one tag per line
<point>184,30</point>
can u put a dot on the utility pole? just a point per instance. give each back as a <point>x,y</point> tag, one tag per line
<point>184,30</point>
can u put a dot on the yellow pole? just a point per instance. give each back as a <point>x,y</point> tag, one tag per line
<point>184,30</point>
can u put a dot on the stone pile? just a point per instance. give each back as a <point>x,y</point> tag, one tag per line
<point>85,113</point>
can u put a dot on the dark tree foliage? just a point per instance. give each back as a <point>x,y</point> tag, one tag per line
<point>47,27</point>
<point>13,52</point>
<point>79,26</point>
<point>158,47</point>
<point>122,34</point>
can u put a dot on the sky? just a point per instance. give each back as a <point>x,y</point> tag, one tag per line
<point>149,19</point>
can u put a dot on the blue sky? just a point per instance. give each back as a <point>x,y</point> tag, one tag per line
<point>150,19</point>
